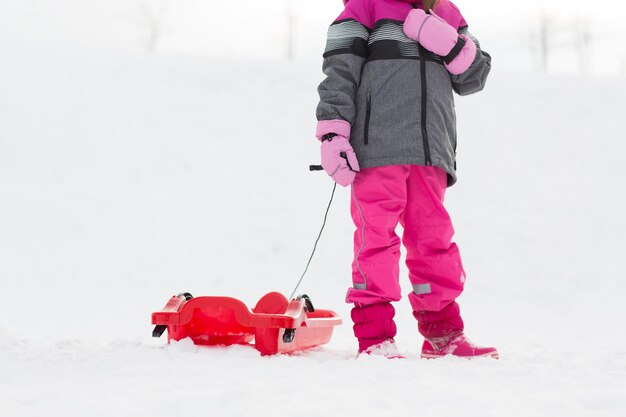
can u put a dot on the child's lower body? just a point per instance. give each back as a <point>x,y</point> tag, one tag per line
<point>413,196</point>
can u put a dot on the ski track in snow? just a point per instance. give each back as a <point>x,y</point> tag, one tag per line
<point>127,177</point>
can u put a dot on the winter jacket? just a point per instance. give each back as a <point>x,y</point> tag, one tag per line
<point>393,96</point>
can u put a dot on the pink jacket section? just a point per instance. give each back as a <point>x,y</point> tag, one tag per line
<point>368,12</point>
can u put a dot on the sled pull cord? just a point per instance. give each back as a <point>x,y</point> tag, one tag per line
<point>316,240</point>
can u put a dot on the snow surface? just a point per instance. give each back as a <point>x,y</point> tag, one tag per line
<point>126,177</point>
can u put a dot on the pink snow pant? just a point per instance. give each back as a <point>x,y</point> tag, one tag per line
<point>413,196</point>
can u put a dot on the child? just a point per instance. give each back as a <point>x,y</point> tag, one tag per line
<point>387,126</point>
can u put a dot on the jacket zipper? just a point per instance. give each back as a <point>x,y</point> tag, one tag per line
<point>422,54</point>
<point>368,112</point>
<point>424,104</point>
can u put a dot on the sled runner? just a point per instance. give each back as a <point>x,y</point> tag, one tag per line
<point>274,325</point>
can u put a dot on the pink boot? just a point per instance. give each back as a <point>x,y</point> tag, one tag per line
<point>375,329</point>
<point>443,331</point>
<point>459,346</point>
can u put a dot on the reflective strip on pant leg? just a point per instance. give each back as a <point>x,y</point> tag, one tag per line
<point>356,258</point>
<point>420,289</point>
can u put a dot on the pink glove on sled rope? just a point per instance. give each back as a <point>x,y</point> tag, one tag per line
<point>338,158</point>
<point>436,35</point>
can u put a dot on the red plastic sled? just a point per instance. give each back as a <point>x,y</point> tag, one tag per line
<point>276,324</point>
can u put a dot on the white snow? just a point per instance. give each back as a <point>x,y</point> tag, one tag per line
<point>126,177</point>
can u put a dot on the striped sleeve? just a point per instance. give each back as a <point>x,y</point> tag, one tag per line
<point>344,56</point>
<point>346,37</point>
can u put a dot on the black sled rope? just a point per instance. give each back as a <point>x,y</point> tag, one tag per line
<point>315,168</point>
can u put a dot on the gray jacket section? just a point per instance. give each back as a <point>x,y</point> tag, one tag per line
<point>393,133</point>
<point>381,95</point>
<point>337,91</point>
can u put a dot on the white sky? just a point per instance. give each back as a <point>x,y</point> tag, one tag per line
<point>257,28</point>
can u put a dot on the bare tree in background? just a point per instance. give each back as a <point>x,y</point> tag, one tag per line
<point>582,43</point>
<point>542,38</point>
<point>551,35</point>
<point>153,14</point>
<point>291,28</point>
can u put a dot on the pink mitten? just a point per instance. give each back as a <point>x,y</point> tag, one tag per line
<point>436,35</point>
<point>339,160</point>
<point>464,59</point>
<point>430,31</point>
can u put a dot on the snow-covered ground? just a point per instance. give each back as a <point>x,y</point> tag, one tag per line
<point>126,177</point>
